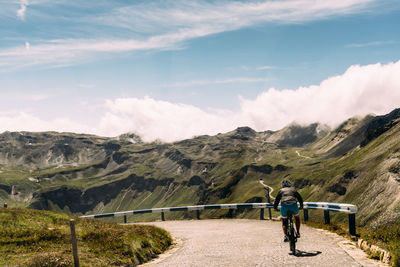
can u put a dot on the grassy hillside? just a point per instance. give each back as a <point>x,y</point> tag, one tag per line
<point>42,238</point>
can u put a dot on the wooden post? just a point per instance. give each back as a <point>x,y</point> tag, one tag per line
<point>352,224</point>
<point>162,216</point>
<point>74,243</point>
<point>198,214</point>
<point>262,214</point>
<point>125,218</point>
<point>305,214</point>
<point>5,205</point>
<point>327,219</point>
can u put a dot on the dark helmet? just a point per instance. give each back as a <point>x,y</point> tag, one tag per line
<point>286,183</point>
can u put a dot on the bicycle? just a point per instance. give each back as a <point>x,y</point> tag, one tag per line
<point>291,232</point>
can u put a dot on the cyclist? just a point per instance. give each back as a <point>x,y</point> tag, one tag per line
<point>288,197</point>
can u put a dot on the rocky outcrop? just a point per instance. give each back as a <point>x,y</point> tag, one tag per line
<point>338,189</point>
<point>179,157</point>
<point>82,201</point>
<point>41,150</point>
<point>364,131</point>
<point>196,180</point>
<point>295,135</point>
<point>265,168</point>
<point>380,125</point>
<point>6,188</point>
<point>243,134</point>
<point>301,183</point>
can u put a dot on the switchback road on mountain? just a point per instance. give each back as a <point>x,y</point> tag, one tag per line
<point>234,242</point>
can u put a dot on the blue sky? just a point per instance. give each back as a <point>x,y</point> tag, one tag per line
<point>174,69</point>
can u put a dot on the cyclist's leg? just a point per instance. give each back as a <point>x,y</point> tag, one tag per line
<point>284,225</point>
<point>284,218</point>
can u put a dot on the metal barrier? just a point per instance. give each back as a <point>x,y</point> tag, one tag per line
<point>350,209</point>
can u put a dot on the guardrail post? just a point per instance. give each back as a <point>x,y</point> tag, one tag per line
<point>74,243</point>
<point>124,218</point>
<point>262,214</point>
<point>269,201</point>
<point>198,214</point>
<point>327,219</point>
<point>230,213</point>
<point>162,216</point>
<point>305,214</point>
<point>352,224</point>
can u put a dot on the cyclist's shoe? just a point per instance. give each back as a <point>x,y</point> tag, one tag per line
<point>286,239</point>
<point>297,235</point>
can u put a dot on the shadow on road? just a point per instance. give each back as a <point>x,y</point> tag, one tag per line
<point>300,253</point>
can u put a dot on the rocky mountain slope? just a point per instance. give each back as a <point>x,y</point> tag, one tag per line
<point>358,162</point>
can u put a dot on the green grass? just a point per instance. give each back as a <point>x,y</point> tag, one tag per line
<point>42,238</point>
<point>384,236</point>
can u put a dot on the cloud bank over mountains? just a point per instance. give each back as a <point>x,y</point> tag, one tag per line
<point>361,90</point>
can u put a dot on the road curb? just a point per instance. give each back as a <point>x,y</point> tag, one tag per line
<point>375,252</point>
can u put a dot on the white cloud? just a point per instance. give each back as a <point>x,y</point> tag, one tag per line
<point>361,90</point>
<point>23,121</point>
<point>167,26</point>
<point>154,119</point>
<point>22,9</point>
<point>15,96</point>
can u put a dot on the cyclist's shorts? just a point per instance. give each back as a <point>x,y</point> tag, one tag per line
<point>285,207</point>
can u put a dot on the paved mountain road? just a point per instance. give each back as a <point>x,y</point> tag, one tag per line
<point>253,243</point>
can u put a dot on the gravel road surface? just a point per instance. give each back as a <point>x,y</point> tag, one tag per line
<point>254,243</point>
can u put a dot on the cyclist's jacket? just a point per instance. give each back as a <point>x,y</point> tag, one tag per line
<point>288,195</point>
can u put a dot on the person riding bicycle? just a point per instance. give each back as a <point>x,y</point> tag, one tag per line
<point>288,195</point>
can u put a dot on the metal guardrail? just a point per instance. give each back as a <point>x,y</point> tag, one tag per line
<point>350,209</point>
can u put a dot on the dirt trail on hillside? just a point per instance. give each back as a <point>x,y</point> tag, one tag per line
<point>270,189</point>
<point>253,243</point>
<point>298,154</point>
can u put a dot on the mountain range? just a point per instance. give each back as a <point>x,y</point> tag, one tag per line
<point>358,162</point>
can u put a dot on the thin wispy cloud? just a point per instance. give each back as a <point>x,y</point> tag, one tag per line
<point>375,43</point>
<point>161,26</point>
<point>267,67</point>
<point>221,81</point>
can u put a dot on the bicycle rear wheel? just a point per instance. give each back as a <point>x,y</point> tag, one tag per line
<point>292,239</point>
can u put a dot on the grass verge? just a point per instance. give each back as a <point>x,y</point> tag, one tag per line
<point>42,238</point>
<point>385,236</point>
